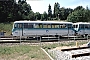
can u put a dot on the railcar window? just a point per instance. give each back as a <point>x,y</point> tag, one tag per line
<point>15,25</point>
<point>38,25</point>
<point>19,25</point>
<point>63,26</point>
<point>30,25</point>
<point>69,26</point>
<point>74,26</point>
<point>89,26</point>
<point>25,25</point>
<point>86,26</point>
<point>55,25</point>
<point>49,25</point>
<point>81,26</point>
<point>52,25</point>
<point>45,26</point>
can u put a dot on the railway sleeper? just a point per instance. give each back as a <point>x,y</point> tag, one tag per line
<point>76,48</point>
<point>79,55</point>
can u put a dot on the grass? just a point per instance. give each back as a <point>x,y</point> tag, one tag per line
<point>27,52</point>
<point>6,27</point>
<point>22,52</point>
<point>54,45</point>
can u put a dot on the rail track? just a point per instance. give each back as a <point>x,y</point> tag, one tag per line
<point>8,39</point>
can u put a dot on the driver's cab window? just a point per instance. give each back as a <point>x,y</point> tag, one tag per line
<point>15,25</point>
<point>18,25</point>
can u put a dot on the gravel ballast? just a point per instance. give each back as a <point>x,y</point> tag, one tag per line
<point>66,55</point>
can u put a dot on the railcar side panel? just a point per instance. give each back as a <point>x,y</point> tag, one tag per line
<point>28,32</point>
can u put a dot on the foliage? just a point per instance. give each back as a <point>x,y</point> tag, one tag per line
<point>61,13</point>
<point>64,12</point>
<point>7,10</point>
<point>81,15</point>
<point>44,16</point>
<point>79,8</point>
<point>11,11</point>
<point>49,11</point>
<point>56,9</point>
<point>25,10</point>
<point>37,16</point>
<point>6,27</point>
<point>31,15</point>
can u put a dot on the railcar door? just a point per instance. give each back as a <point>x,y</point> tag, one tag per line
<point>27,29</point>
<point>21,29</point>
<point>82,29</point>
<point>18,29</point>
<point>69,29</point>
<point>87,31</point>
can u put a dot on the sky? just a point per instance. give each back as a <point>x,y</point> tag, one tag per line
<point>42,5</point>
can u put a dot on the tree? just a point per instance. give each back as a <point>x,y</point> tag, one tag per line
<point>56,9</point>
<point>79,16</point>
<point>7,10</point>
<point>24,9</point>
<point>64,12</point>
<point>11,11</point>
<point>31,16</point>
<point>79,8</point>
<point>37,16</point>
<point>44,16</point>
<point>49,11</point>
<point>67,12</point>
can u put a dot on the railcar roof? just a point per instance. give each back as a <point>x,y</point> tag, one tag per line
<point>43,22</point>
<point>82,23</point>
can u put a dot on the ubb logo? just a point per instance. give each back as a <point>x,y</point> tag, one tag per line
<point>47,31</point>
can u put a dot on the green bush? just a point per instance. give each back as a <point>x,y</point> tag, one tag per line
<point>6,27</point>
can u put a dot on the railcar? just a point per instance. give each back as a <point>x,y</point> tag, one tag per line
<point>42,28</point>
<point>82,28</point>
